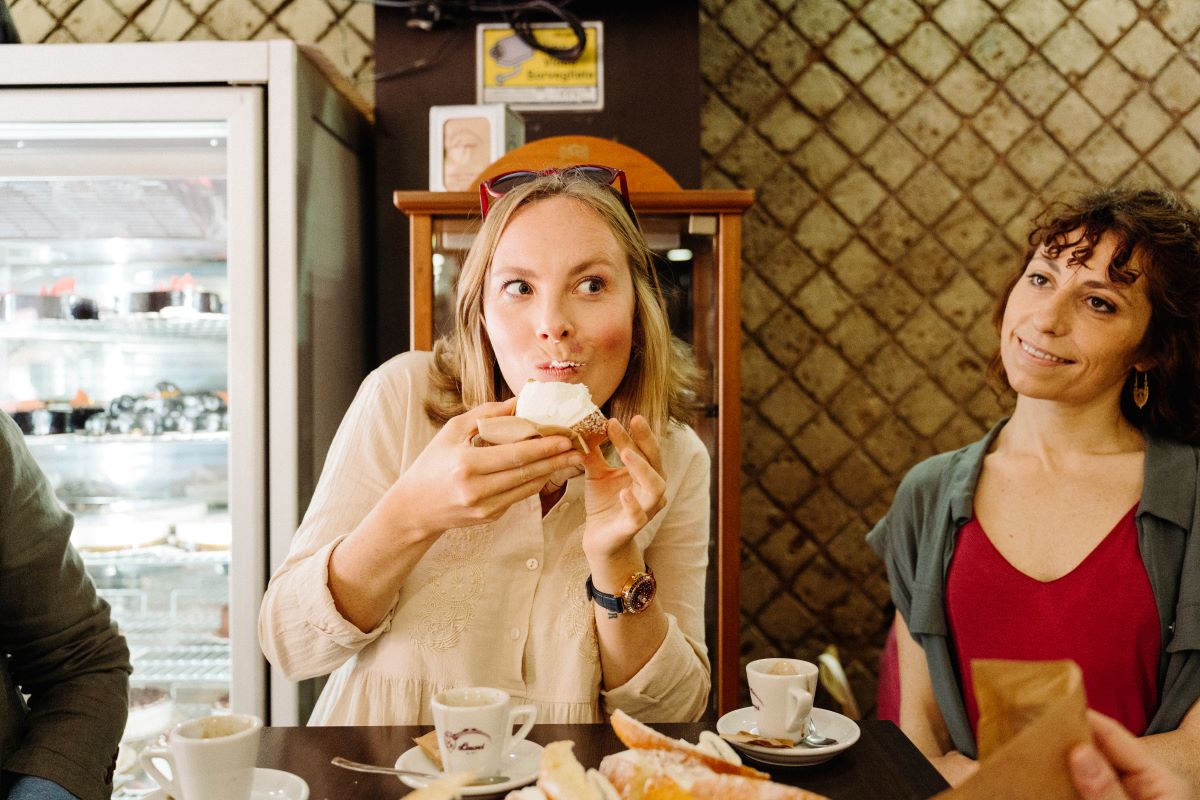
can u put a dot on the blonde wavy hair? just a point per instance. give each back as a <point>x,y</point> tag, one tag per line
<point>662,381</point>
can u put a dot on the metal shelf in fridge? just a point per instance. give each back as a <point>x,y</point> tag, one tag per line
<point>192,664</point>
<point>129,327</point>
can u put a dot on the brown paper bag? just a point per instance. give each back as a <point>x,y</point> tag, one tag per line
<point>1031,713</point>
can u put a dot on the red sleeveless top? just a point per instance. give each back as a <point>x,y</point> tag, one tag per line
<point>1101,614</point>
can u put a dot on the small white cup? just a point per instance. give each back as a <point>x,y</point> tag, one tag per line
<point>475,728</point>
<point>782,691</point>
<point>211,758</point>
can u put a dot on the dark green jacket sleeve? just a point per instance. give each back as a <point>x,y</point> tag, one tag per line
<point>61,648</point>
<point>916,539</point>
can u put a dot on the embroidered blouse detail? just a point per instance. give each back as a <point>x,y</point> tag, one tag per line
<point>447,603</point>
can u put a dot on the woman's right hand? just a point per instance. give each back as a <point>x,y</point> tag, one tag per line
<point>454,484</point>
<point>451,484</point>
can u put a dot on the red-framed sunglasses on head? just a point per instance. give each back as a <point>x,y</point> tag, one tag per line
<point>504,183</point>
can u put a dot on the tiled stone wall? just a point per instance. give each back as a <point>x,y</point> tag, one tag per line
<point>344,30</point>
<point>899,148</point>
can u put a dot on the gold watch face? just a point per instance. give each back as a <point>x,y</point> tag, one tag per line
<point>639,592</point>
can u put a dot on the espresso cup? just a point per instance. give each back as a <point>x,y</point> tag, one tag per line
<point>211,758</point>
<point>782,691</point>
<point>475,728</point>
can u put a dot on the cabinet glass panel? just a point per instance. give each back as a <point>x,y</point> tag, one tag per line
<point>113,361</point>
<point>684,248</point>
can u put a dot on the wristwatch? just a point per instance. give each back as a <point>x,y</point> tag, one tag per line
<point>635,596</point>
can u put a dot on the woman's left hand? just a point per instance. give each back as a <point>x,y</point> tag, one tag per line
<point>621,500</point>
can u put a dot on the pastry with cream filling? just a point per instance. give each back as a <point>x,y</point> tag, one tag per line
<point>549,409</point>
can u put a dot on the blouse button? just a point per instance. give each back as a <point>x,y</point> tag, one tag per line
<point>515,634</point>
<point>565,505</point>
<point>531,564</point>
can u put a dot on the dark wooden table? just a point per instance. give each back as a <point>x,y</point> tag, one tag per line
<point>883,764</point>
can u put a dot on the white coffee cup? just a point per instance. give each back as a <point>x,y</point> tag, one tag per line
<point>211,758</point>
<point>475,728</point>
<point>782,691</point>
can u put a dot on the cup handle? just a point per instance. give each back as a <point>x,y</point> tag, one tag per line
<point>147,758</point>
<point>800,703</point>
<point>529,712</point>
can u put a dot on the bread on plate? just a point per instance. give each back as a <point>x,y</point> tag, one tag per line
<point>655,767</point>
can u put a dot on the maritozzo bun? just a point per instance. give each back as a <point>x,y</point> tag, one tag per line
<point>566,405</point>
<point>550,408</point>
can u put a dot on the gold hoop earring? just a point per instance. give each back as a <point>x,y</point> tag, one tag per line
<point>1141,388</point>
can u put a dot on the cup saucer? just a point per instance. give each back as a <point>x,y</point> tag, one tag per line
<point>829,723</point>
<point>521,765</point>
<point>269,784</point>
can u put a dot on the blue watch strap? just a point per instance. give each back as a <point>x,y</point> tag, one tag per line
<point>606,601</point>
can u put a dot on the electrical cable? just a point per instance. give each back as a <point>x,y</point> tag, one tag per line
<point>418,64</point>
<point>517,14</point>
<point>161,18</point>
<point>523,28</point>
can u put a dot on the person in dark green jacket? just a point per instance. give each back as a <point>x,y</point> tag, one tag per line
<point>64,677</point>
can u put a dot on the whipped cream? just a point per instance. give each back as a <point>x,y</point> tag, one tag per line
<point>554,403</point>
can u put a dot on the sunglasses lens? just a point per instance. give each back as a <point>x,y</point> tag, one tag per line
<point>502,184</point>
<point>601,175</point>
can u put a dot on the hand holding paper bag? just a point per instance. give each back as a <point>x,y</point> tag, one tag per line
<point>1031,715</point>
<point>1038,741</point>
<point>1095,767</point>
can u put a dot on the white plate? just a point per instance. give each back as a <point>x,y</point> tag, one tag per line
<point>269,784</point>
<point>521,766</point>
<point>829,723</point>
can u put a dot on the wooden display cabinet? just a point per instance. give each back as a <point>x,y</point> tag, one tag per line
<point>696,238</point>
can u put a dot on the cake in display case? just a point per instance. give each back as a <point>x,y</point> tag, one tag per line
<point>113,346</point>
<point>160,202</point>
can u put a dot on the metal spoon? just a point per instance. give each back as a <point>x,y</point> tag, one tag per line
<point>357,766</point>
<point>814,739</point>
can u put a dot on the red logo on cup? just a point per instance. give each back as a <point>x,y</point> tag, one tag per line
<point>466,740</point>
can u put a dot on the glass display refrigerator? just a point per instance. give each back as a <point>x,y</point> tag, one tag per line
<point>181,290</point>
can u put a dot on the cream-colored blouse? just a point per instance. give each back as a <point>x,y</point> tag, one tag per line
<point>500,605</point>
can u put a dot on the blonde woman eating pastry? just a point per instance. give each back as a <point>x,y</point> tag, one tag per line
<point>425,563</point>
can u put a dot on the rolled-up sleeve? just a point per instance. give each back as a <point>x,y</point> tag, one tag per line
<point>892,542</point>
<point>300,629</point>
<point>673,685</point>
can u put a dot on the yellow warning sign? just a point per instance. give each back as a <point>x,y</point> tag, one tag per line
<point>509,70</point>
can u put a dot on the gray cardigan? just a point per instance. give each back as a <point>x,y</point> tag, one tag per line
<point>916,539</point>
<point>58,643</point>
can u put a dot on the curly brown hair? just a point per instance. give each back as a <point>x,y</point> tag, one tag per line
<point>1157,239</point>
